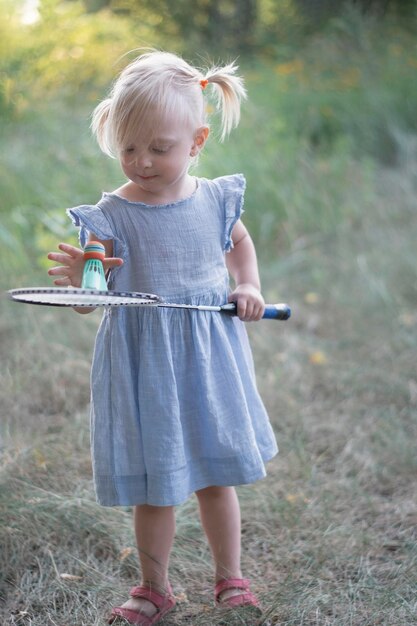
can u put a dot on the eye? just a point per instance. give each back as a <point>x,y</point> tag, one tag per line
<point>129,150</point>
<point>160,149</point>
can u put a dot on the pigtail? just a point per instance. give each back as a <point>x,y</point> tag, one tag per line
<point>100,127</point>
<point>160,84</point>
<point>230,91</point>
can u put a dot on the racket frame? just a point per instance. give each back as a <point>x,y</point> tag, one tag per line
<point>124,298</point>
<point>96,298</point>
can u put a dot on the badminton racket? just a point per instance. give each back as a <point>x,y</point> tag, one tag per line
<point>73,297</point>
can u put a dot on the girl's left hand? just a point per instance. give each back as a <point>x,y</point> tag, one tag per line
<point>250,303</point>
<point>71,260</point>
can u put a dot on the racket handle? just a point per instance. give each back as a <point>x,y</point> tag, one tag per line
<point>277,312</point>
<point>272,311</point>
<point>93,274</point>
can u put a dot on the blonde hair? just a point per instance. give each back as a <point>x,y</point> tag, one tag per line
<point>159,84</point>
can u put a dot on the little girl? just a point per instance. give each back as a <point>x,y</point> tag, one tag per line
<point>175,409</point>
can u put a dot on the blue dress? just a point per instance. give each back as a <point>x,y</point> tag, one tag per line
<point>175,407</point>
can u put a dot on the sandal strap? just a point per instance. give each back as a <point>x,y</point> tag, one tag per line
<point>160,600</point>
<point>231,583</point>
<point>243,599</point>
<point>130,616</point>
<point>163,603</point>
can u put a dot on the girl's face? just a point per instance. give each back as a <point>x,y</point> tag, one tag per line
<point>158,164</point>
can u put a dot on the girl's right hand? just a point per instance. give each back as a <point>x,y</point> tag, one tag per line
<point>71,260</point>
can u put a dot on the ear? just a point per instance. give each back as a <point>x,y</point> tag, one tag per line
<point>200,139</point>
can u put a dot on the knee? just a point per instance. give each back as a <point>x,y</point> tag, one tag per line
<point>213,493</point>
<point>150,510</point>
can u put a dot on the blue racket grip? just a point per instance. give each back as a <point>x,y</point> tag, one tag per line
<point>277,312</point>
<point>272,311</point>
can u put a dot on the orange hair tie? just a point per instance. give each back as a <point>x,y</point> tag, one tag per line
<point>203,83</point>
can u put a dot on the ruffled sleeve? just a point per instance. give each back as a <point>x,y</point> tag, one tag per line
<point>90,219</point>
<point>233,191</point>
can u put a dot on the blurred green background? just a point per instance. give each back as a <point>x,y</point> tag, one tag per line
<point>332,99</point>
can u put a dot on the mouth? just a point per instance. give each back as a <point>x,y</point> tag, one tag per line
<point>147,177</point>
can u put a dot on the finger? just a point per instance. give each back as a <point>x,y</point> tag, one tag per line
<point>62,282</point>
<point>71,250</point>
<point>242,309</point>
<point>249,316</point>
<point>61,270</point>
<point>112,262</point>
<point>258,314</point>
<point>59,258</point>
<point>254,312</point>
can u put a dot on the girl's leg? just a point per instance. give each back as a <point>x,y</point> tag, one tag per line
<point>220,517</point>
<point>154,530</point>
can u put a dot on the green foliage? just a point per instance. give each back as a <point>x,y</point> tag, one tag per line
<point>51,163</point>
<point>319,125</point>
<point>318,118</point>
<point>245,26</point>
<point>64,52</point>
<point>356,84</point>
<point>213,26</point>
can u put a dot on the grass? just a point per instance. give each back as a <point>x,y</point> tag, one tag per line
<point>330,536</point>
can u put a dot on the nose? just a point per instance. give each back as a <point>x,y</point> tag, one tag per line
<point>143,160</point>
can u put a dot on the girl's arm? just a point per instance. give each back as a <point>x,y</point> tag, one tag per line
<point>242,264</point>
<point>71,265</point>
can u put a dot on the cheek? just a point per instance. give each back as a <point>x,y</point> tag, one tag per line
<point>126,165</point>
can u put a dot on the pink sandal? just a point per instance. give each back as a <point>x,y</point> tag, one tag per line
<point>163,602</point>
<point>246,598</point>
